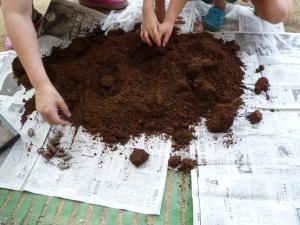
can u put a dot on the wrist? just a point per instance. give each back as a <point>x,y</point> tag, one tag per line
<point>147,6</point>
<point>42,86</point>
<point>170,19</point>
<point>39,79</point>
<point>147,11</point>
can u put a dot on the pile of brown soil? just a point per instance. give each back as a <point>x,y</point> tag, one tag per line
<point>117,87</point>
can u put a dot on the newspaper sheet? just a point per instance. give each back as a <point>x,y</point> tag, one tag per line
<point>126,19</point>
<point>253,181</point>
<point>256,179</point>
<point>100,176</point>
<point>97,175</point>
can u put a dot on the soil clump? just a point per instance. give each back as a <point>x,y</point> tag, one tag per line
<point>138,157</point>
<point>184,165</point>
<point>260,69</point>
<point>255,117</point>
<point>262,84</point>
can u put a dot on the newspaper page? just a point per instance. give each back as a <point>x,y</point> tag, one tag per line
<point>127,18</point>
<point>66,20</point>
<point>254,179</point>
<point>268,150</point>
<point>17,163</point>
<point>238,19</point>
<point>96,174</point>
<point>100,176</point>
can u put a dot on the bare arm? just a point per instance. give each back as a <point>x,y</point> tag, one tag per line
<point>166,28</point>
<point>175,7</point>
<point>17,18</point>
<point>149,29</point>
<point>148,4</point>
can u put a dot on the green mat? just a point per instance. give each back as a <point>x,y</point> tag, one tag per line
<point>27,208</point>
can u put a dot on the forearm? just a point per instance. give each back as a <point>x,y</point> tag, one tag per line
<point>148,5</point>
<point>26,46</point>
<point>174,9</point>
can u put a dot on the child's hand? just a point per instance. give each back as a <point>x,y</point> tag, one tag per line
<point>150,28</point>
<point>179,20</point>
<point>48,102</point>
<point>165,31</point>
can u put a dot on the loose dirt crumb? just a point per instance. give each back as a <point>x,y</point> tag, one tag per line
<point>53,149</point>
<point>174,161</point>
<point>138,157</point>
<point>229,140</point>
<point>184,165</point>
<point>255,117</point>
<point>67,158</point>
<point>63,166</point>
<point>187,165</point>
<point>30,132</point>
<point>261,85</point>
<point>260,69</point>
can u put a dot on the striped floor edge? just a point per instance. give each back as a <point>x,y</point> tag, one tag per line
<point>30,209</point>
